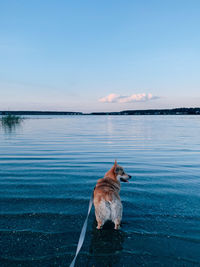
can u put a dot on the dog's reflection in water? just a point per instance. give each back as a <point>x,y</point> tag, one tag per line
<point>106,246</point>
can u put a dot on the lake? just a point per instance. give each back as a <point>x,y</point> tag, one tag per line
<point>49,166</point>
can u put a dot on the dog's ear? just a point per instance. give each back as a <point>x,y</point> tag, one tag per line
<point>115,165</point>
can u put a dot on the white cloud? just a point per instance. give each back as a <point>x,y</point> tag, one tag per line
<point>115,98</point>
<point>111,98</point>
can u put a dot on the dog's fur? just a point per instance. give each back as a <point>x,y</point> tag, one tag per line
<point>107,201</point>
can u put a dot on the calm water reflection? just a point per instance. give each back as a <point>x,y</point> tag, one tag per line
<point>105,244</point>
<point>10,126</point>
<point>49,166</point>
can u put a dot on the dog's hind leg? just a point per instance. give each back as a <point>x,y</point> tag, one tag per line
<point>116,208</point>
<point>102,212</point>
<point>117,224</point>
<point>99,224</point>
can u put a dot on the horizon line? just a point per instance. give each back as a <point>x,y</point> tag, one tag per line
<point>17,112</point>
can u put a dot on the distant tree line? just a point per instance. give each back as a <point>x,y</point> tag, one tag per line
<point>175,111</point>
<point>40,113</point>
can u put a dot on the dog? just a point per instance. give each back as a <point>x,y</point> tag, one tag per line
<point>106,197</point>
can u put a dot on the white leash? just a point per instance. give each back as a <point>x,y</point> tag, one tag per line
<point>83,231</point>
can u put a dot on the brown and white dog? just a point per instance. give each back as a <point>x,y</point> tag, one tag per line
<point>107,201</point>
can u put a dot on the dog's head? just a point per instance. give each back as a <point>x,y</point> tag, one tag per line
<point>120,173</point>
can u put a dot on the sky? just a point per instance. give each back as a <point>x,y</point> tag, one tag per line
<point>106,55</point>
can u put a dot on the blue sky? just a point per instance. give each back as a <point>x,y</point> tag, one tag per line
<point>99,55</point>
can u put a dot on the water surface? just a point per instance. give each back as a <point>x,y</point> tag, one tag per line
<point>49,166</point>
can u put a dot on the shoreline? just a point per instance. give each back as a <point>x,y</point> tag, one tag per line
<point>175,111</point>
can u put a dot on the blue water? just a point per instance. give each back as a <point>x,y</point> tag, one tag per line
<point>49,166</point>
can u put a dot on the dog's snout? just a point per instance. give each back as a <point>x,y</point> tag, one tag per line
<point>129,176</point>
